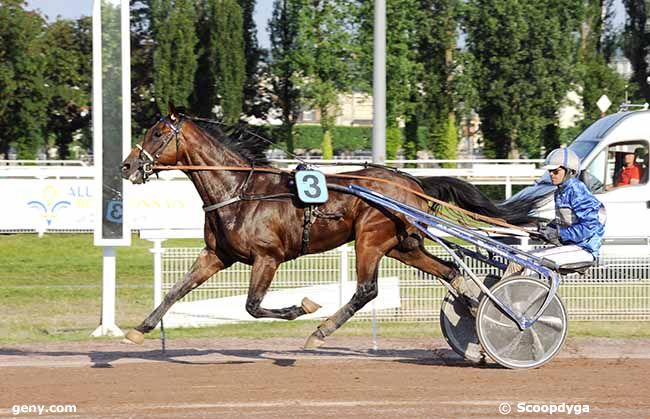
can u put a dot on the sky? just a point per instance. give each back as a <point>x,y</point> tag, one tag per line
<point>263,10</point>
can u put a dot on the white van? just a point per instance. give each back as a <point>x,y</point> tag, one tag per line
<point>603,149</point>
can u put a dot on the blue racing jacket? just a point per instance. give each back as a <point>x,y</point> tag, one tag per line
<point>579,216</point>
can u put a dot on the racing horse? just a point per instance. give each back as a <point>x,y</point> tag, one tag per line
<point>252,215</point>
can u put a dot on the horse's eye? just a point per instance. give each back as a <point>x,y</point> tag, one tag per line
<point>157,134</point>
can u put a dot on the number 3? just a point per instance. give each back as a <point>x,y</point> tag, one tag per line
<point>311,186</point>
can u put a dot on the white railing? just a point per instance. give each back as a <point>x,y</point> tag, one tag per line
<point>618,288</point>
<point>43,163</point>
<point>478,172</point>
<point>47,172</point>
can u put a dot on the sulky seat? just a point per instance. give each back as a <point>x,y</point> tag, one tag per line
<point>579,268</point>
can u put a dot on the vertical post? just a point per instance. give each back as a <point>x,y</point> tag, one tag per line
<point>111,141</point>
<point>108,326</point>
<point>379,84</point>
<point>375,346</point>
<point>508,187</point>
<point>345,269</point>
<point>125,53</point>
<point>157,251</point>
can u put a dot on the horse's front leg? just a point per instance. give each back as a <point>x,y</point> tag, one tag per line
<point>206,265</point>
<point>262,274</point>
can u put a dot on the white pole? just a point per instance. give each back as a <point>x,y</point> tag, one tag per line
<point>125,35</point>
<point>97,97</point>
<point>379,84</point>
<point>375,346</point>
<point>107,326</point>
<point>344,271</point>
<point>508,187</point>
<point>157,271</point>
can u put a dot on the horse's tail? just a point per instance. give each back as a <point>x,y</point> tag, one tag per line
<point>470,198</point>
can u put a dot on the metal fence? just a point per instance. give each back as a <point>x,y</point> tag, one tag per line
<point>618,288</point>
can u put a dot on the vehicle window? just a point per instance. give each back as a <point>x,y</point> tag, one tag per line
<point>595,176</point>
<point>582,148</point>
<point>626,165</point>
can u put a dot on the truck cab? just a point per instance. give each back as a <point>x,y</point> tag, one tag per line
<point>614,165</point>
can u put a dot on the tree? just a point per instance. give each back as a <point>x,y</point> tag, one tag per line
<point>143,103</point>
<point>437,49</point>
<point>23,100</point>
<point>174,58</point>
<point>283,66</point>
<point>523,54</point>
<point>68,75</point>
<point>221,72</point>
<point>594,53</point>
<point>637,44</point>
<point>553,67</point>
<point>325,53</point>
<point>255,98</point>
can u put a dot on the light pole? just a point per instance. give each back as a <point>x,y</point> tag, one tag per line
<point>379,85</point>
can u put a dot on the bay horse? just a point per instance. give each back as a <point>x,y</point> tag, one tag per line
<point>253,216</point>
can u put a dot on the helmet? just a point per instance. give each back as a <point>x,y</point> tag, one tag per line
<point>562,157</point>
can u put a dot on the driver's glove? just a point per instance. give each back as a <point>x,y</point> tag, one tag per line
<point>551,234</point>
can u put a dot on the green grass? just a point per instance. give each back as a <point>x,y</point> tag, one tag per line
<point>50,287</point>
<point>50,290</point>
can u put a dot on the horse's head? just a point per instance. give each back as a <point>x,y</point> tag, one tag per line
<point>160,146</point>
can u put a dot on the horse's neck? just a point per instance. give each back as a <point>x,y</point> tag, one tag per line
<point>214,186</point>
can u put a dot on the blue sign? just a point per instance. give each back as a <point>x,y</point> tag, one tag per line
<point>312,187</point>
<point>114,211</point>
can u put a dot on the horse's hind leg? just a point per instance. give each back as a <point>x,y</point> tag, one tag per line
<point>262,274</point>
<point>206,265</point>
<point>368,258</point>
<point>447,271</point>
<point>419,258</point>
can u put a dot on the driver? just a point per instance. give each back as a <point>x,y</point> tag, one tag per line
<point>631,172</point>
<point>579,223</point>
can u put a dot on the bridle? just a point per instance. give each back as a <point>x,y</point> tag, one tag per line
<point>151,160</point>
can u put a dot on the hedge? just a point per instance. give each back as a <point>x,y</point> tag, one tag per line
<point>344,138</point>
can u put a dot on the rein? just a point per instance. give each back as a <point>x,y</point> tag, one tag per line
<point>490,220</point>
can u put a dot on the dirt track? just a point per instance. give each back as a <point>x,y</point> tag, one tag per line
<point>273,378</point>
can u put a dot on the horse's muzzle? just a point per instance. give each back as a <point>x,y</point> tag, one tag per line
<point>134,171</point>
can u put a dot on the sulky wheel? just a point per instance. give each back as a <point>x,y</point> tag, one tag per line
<point>459,326</point>
<point>504,341</point>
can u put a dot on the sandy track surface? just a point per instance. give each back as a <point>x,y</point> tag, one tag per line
<point>275,378</point>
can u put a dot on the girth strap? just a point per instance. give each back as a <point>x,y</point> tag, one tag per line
<point>274,197</point>
<point>208,208</point>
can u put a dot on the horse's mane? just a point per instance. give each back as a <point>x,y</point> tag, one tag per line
<point>238,138</point>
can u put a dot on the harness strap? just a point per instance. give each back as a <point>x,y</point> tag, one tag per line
<point>145,152</point>
<point>305,230</point>
<point>208,208</point>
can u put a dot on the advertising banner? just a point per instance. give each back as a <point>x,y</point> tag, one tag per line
<point>69,204</point>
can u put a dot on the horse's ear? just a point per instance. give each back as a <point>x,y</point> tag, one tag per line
<point>173,113</point>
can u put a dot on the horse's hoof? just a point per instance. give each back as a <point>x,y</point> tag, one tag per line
<point>309,306</point>
<point>135,337</point>
<point>314,342</point>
